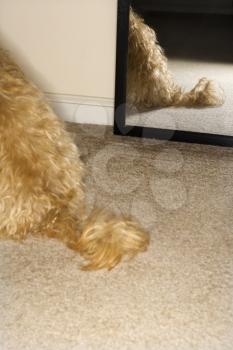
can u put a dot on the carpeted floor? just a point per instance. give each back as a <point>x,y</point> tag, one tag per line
<point>178,295</point>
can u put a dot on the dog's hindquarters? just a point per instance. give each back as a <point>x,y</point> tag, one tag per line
<point>41,183</point>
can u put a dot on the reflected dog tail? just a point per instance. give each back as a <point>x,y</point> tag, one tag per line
<point>150,83</point>
<point>206,93</point>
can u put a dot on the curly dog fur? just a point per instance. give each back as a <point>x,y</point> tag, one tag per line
<point>41,182</point>
<point>150,84</point>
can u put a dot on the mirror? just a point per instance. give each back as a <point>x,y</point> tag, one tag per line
<point>179,70</point>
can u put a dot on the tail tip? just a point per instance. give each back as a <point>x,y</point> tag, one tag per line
<point>209,93</point>
<point>107,238</point>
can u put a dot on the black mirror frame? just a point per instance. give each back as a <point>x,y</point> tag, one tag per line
<point>120,127</point>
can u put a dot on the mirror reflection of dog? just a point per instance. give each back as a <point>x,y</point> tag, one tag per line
<point>150,84</point>
<point>41,180</point>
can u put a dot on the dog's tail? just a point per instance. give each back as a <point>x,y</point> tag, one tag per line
<point>102,238</point>
<point>107,238</point>
<point>206,93</point>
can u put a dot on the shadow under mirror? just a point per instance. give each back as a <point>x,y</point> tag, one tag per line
<point>180,65</point>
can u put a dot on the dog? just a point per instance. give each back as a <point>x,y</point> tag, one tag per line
<point>149,82</point>
<point>42,180</point>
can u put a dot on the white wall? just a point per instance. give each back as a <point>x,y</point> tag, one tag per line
<point>66,46</point>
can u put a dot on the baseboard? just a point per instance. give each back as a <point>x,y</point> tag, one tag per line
<point>83,109</point>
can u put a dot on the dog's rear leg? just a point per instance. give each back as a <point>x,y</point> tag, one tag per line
<point>61,225</point>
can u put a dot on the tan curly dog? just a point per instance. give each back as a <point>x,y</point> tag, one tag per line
<point>41,180</point>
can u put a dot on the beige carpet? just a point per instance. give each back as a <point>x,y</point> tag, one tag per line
<point>218,120</point>
<point>178,295</point>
